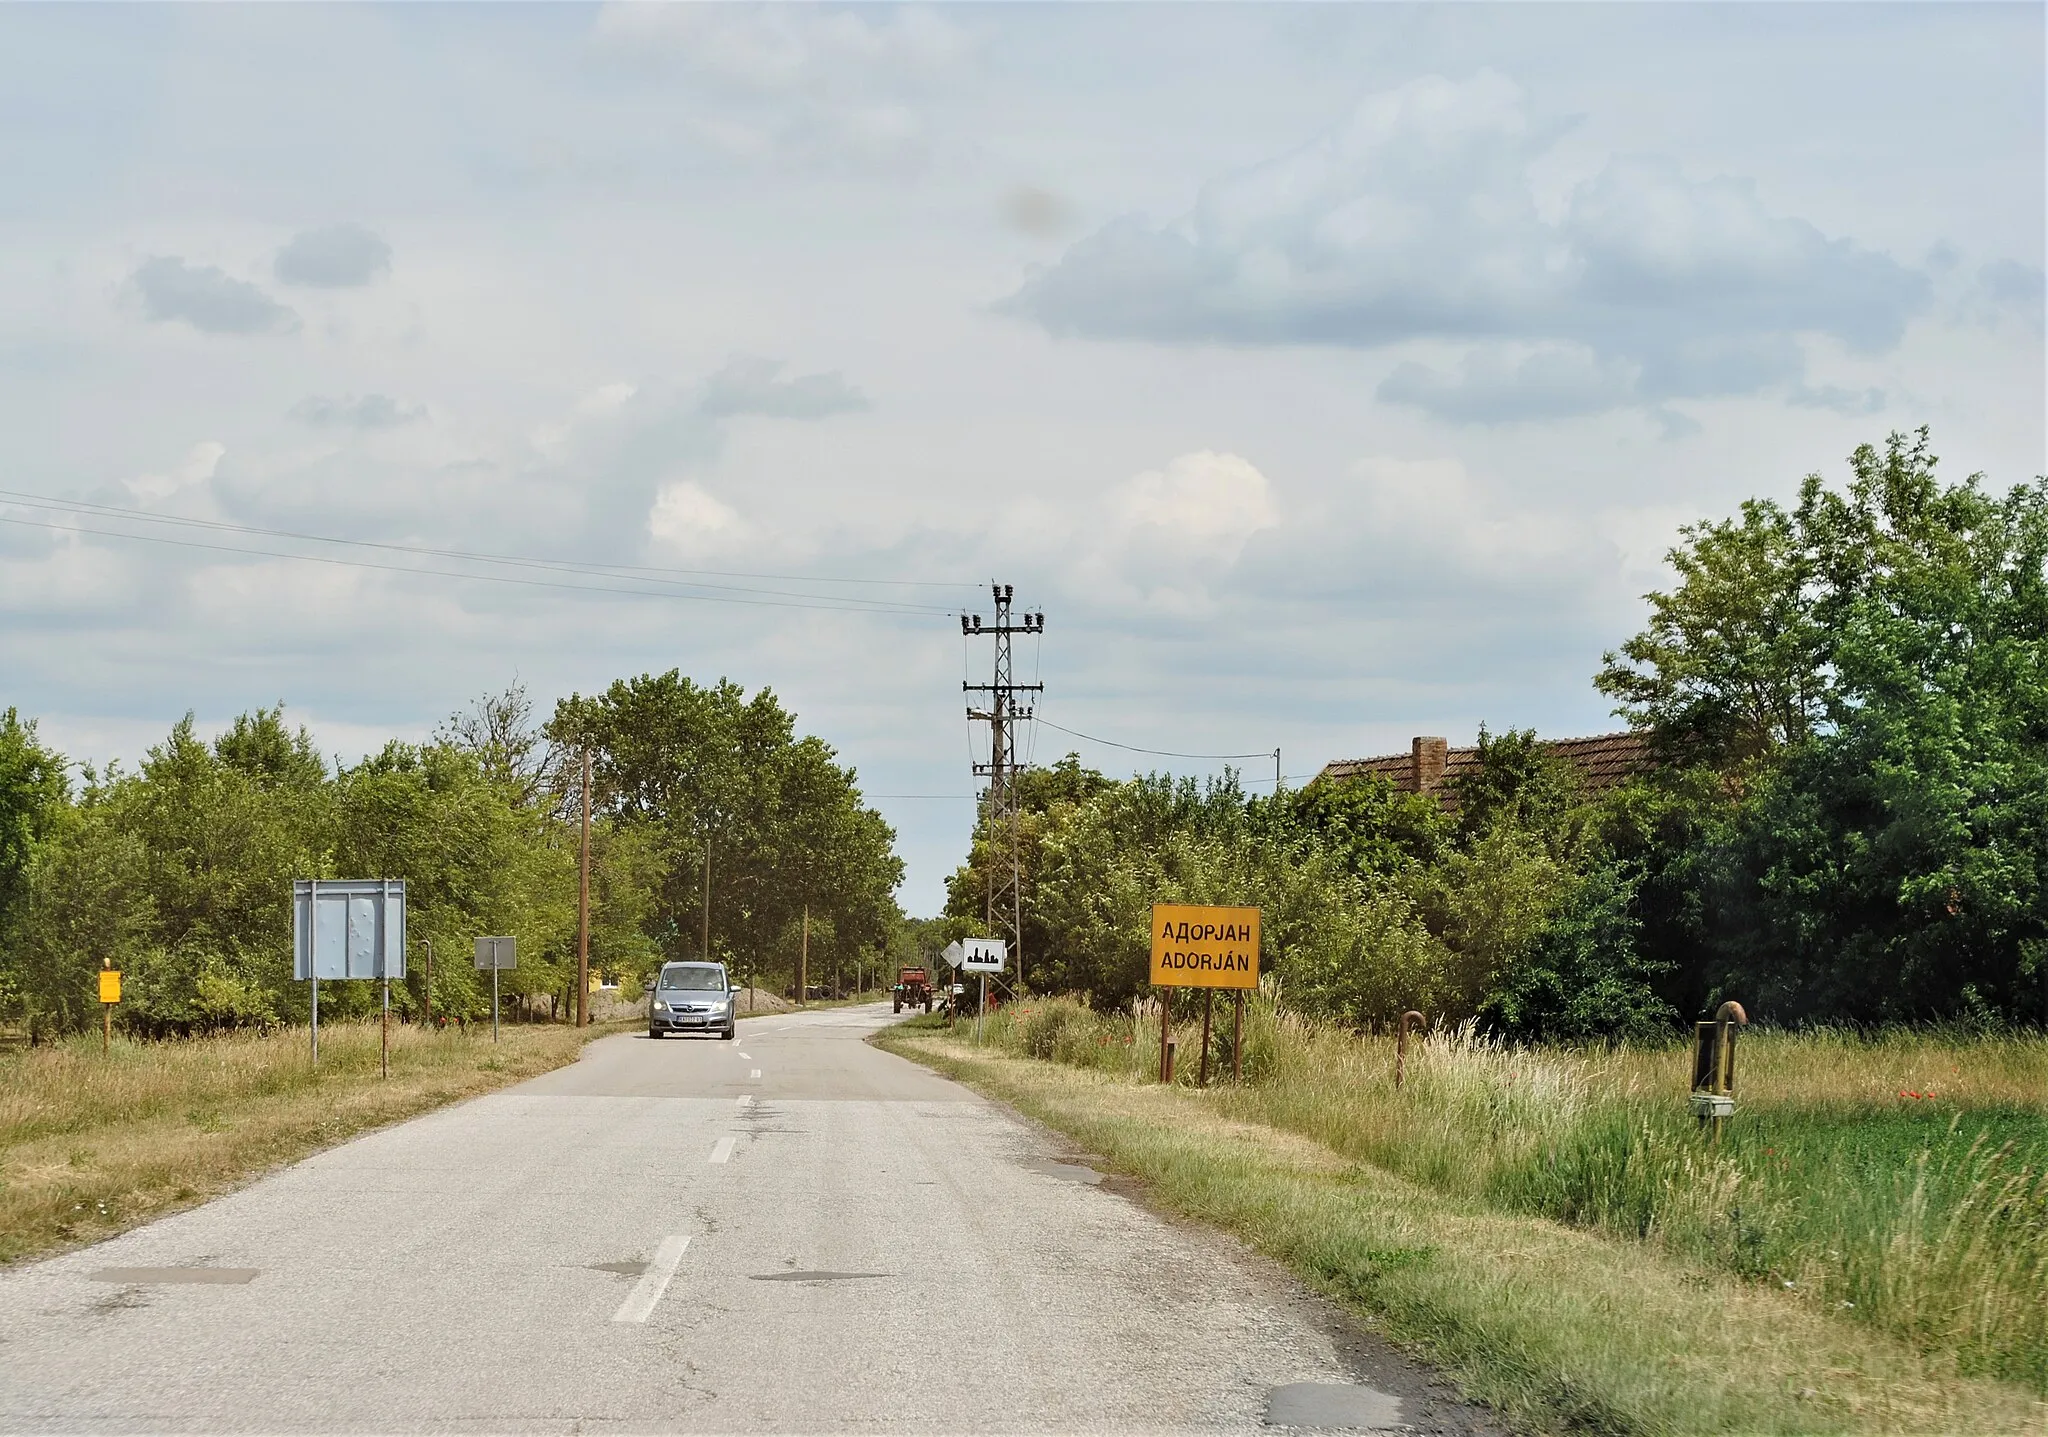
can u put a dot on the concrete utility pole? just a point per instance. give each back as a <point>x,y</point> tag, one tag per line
<point>583,910</point>
<point>1003,714</point>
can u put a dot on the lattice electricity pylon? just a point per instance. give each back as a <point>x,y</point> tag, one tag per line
<point>1004,912</point>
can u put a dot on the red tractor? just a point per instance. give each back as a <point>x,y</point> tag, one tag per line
<point>912,988</point>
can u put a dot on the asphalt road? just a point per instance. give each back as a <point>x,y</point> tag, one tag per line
<point>792,1232</point>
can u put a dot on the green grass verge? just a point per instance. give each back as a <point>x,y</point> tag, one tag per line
<point>1559,1328</point>
<point>1897,1179</point>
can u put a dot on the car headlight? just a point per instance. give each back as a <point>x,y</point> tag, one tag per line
<point>659,1006</point>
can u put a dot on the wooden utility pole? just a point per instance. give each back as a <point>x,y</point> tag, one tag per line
<point>583,910</point>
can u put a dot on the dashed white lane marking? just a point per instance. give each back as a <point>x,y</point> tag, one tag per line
<point>723,1152</point>
<point>748,1056</point>
<point>653,1283</point>
<point>756,1073</point>
<point>746,1100</point>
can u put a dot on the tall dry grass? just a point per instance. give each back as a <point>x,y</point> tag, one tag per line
<point>1899,1180</point>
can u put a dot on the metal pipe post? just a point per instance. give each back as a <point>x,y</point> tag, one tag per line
<point>1165,1036</point>
<point>430,982</point>
<point>1401,1047</point>
<point>1725,1018</point>
<point>316,1020</point>
<point>494,992</point>
<point>384,1053</point>
<point>1237,1041</point>
<point>1208,1013</point>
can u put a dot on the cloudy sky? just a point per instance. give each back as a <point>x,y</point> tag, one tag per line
<point>1327,375</point>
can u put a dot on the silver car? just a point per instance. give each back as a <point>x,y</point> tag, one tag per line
<point>691,998</point>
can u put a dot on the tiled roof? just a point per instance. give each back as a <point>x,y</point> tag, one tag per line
<point>1604,761</point>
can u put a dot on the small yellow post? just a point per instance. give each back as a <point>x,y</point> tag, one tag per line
<point>110,994</point>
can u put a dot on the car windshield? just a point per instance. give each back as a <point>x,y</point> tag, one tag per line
<point>695,977</point>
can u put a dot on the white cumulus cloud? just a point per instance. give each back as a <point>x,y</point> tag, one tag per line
<point>688,521</point>
<point>1168,538</point>
<point>1416,219</point>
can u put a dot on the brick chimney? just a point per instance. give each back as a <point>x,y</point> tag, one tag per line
<point>1426,763</point>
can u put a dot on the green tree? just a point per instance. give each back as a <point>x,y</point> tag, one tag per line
<point>475,861</point>
<point>1862,682</point>
<point>33,796</point>
<point>1582,974</point>
<point>1733,665</point>
<point>709,775</point>
<point>1900,859</point>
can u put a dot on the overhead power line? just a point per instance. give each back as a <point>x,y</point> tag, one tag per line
<point>811,601</point>
<point>81,506</point>
<point>1160,752</point>
<point>645,581</point>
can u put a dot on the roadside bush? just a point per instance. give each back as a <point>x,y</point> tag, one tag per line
<point>1050,1019</point>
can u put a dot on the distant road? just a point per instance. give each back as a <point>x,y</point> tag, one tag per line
<point>792,1232</point>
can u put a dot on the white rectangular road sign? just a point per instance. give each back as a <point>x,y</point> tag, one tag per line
<point>983,955</point>
<point>348,928</point>
<point>496,953</point>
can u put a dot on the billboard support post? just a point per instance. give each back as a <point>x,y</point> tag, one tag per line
<point>314,973</point>
<point>384,1048</point>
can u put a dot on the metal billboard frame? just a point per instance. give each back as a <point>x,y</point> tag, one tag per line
<point>345,928</point>
<point>358,933</point>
